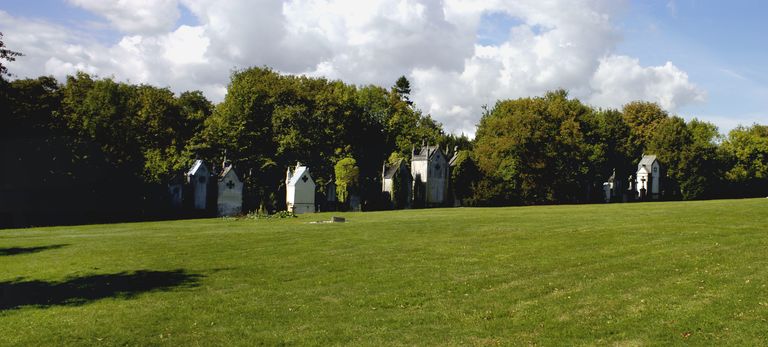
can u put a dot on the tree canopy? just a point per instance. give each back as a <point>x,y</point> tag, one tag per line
<point>347,177</point>
<point>89,132</point>
<point>536,149</point>
<point>746,149</point>
<point>268,121</point>
<point>7,55</point>
<point>553,149</point>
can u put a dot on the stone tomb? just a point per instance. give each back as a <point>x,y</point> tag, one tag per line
<point>299,190</point>
<point>648,181</point>
<point>229,199</point>
<point>198,177</point>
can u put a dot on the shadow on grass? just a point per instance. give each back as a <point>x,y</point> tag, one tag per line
<point>25,250</point>
<point>81,290</point>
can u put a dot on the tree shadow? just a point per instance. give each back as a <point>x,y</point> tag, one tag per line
<point>25,250</point>
<point>81,290</point>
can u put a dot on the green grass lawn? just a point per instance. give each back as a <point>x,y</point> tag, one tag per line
<point>622,274</point>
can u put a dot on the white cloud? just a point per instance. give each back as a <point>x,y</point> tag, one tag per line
<point>550,44</point>
<point>378,41</point>
<point>48,49</point>
<point>621,79</point>
<point>135,16</point>
<point>178,59</point>
<point>186,45</point>
<point>557,45</point>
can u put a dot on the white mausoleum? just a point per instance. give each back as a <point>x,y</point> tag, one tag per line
<point>429,168</point>
<point>230,193</point>
<point>299,190</point>
<point>648,177</point>
<point>198,177</point>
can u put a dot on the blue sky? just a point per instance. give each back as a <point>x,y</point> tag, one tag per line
<point>720,44</point>
<point>63,13</point>
<point>716,49</point>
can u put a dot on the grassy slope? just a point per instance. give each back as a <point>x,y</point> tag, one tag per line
<point>627,274</point>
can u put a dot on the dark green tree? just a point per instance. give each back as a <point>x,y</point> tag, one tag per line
<point>746,150</point>
<point>643,117</point>
<point>705,167</point>
<point>533,150</point>
<point>688,153</point>
<point>464,175</point>
<point>241,127</point>
<point>610,148</point>
<point>7,55</point>
<point>670,142</point>
<point>347,177</point>
<point>403,89</point>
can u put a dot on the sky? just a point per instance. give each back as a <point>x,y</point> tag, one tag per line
<point>697,58</point>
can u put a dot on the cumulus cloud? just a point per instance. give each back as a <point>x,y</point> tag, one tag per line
<point>555,45</point>
<point>549,44</point>
<point>177,59</point>
<point>48,49</point>
<point>135,16</point>
<point>621,79</point>
<point>378,41</point>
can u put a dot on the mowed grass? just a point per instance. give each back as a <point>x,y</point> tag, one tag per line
<point>673,273</point>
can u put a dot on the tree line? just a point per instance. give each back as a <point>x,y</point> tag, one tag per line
<point>107,149</point>
<point>93,149</point>
<point>554,149</point>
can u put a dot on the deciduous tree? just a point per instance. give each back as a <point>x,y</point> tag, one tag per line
<point>747,150</point>
<point>7,55</point>
<point>347,177</point>
<point>643,117</point>
<point>535,149</point>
